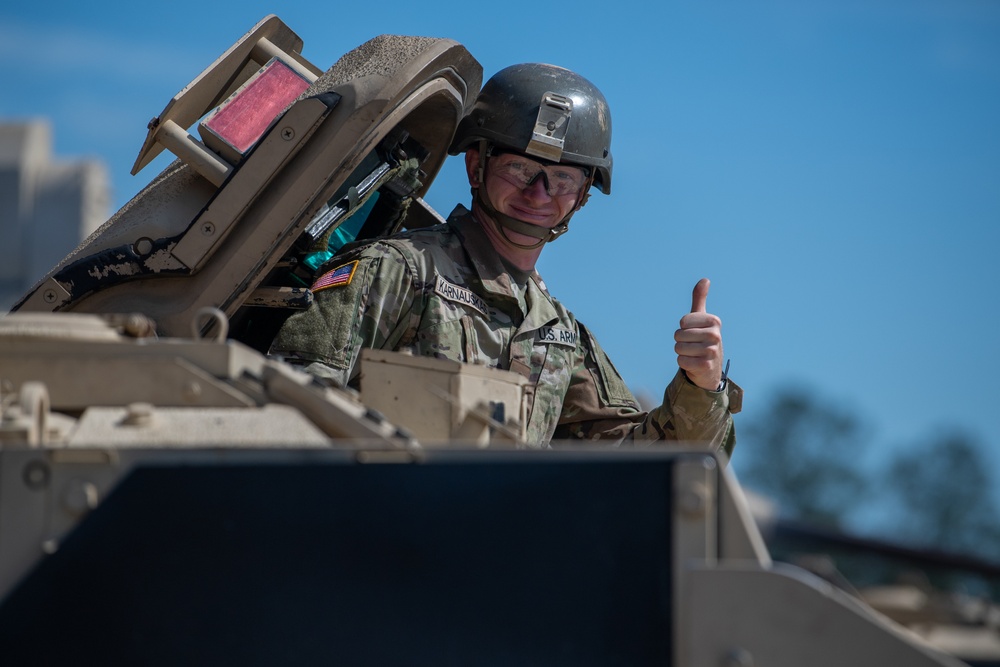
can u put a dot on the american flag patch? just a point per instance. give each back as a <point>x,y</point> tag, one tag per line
<point>341,275</point>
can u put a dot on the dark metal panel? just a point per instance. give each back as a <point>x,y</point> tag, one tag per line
<point>526,560</point>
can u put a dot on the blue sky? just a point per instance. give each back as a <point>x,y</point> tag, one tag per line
<point>832,165</point>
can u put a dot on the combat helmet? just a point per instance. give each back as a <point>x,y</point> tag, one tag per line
<point>547,112</point>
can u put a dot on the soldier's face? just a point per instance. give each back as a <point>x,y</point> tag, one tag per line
<point>530,203</point>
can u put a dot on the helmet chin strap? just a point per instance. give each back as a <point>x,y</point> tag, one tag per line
<point>503,222</point>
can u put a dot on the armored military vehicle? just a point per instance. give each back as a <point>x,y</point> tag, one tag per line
<point>170,495</point>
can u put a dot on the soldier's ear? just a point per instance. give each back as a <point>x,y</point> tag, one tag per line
<point>472,166</point>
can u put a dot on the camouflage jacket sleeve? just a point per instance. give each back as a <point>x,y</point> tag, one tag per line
<point>373,307</point>
<point>598,405</point>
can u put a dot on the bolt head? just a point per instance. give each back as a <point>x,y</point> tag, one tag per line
<point>143,246</point>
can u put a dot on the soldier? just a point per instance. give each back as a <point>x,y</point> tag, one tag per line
<point>537,139</point>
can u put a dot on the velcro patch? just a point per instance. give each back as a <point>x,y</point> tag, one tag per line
<point>555,336</point>
<point>458,294</point>
<point>342,275</point>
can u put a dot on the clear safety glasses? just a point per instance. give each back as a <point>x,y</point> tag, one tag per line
<point>522,172</point>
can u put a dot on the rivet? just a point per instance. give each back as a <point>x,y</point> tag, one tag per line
<point>80,497</point>
<point>738,657</point>
<point>191,392</point>
<point>36,475</point>
<point>693,500</point>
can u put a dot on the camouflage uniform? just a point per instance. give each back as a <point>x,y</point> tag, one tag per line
<point>444,292</point>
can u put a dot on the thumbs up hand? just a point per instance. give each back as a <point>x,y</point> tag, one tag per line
<point>699,341</point>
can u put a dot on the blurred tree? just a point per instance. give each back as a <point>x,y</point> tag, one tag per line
<point>802,453</point>
<point>936,496</point>
<point>944,497</point>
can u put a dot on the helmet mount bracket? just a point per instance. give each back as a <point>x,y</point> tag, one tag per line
<point>549,135</point>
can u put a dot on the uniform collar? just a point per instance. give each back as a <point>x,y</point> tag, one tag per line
<point>535,300</point>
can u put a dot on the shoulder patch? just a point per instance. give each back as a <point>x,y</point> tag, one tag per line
<point>458,294</point>
<point>342,275</point>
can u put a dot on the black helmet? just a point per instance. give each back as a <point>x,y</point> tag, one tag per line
<point>546,111</point>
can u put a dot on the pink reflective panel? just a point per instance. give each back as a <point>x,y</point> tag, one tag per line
<point>242,119</point>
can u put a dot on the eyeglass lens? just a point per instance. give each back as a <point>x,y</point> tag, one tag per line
<point>523,172</point>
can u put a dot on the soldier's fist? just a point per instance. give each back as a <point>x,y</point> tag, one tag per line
<point>699,341</point>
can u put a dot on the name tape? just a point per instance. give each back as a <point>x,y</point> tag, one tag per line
<point>556,336</point>
<point>459,294</point>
